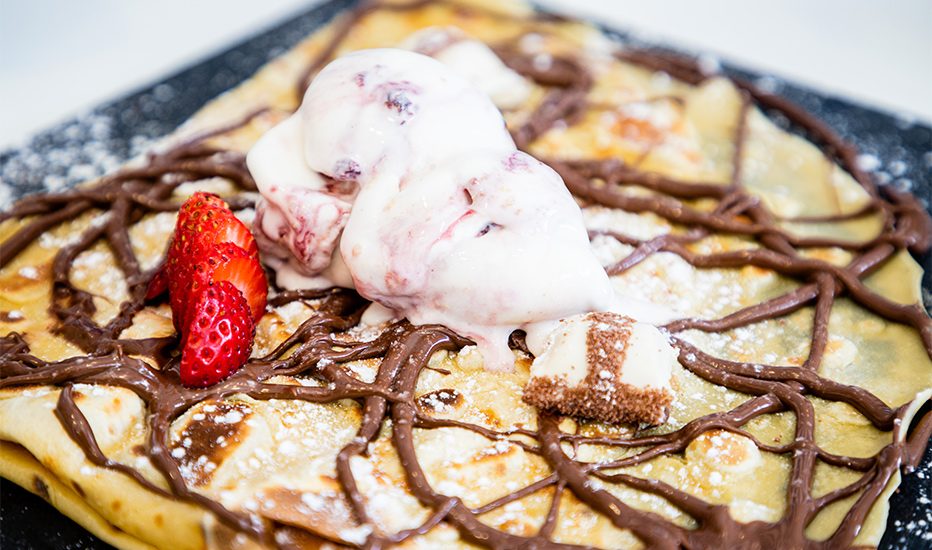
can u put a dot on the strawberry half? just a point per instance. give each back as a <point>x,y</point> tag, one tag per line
<point>219,337</point>
<point>246,274</point>
<point>186,281</point>
<point>220,262</point>
<point>206,220</point>
<point>214,280</point>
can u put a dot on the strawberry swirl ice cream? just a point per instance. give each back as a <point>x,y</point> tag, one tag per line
<point>398,177</point>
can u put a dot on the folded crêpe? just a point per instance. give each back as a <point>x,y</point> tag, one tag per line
<point>792,300</point>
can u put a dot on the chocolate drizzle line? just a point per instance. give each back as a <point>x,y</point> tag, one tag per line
<point>404,350</point>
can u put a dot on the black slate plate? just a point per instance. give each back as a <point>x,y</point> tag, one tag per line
<point>898,150</point>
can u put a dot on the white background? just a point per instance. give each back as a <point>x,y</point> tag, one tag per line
<point>59,58</point>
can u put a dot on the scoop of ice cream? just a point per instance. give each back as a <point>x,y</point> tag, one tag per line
<point>384,112</point>
<point>393,113</point>
<point>487,243</point>
<point>397,176</point>
<point>604,366</point>
<point>302,211</point>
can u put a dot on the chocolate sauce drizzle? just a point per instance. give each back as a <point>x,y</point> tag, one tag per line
<point>404,349</point>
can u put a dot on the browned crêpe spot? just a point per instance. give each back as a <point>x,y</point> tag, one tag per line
<point>40,487</point>
<point>210,436</point>
<point>114,407</point>
<point>491,416</point>
<point>322,510</point>
<point>78,489</point>
<point>11,317</point>
<point>19,280</point>
<point>440,401</point>
<point>640,131</point>
<point>725,447</point>
<point>602,395</point>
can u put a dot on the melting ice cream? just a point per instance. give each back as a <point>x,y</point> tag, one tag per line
<point>398,177</point>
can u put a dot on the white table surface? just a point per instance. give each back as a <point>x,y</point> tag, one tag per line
<point>59,58</point>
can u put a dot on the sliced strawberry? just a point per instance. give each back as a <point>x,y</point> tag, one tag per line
<point>219,337</point>
<point>202,199</point>
<point>221,262</point>
<point>186,281</point>
<point>206,220</point>
<point>246,274</point>
<point>217,289</point>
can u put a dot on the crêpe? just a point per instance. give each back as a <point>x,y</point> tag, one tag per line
<point>804,350</point>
